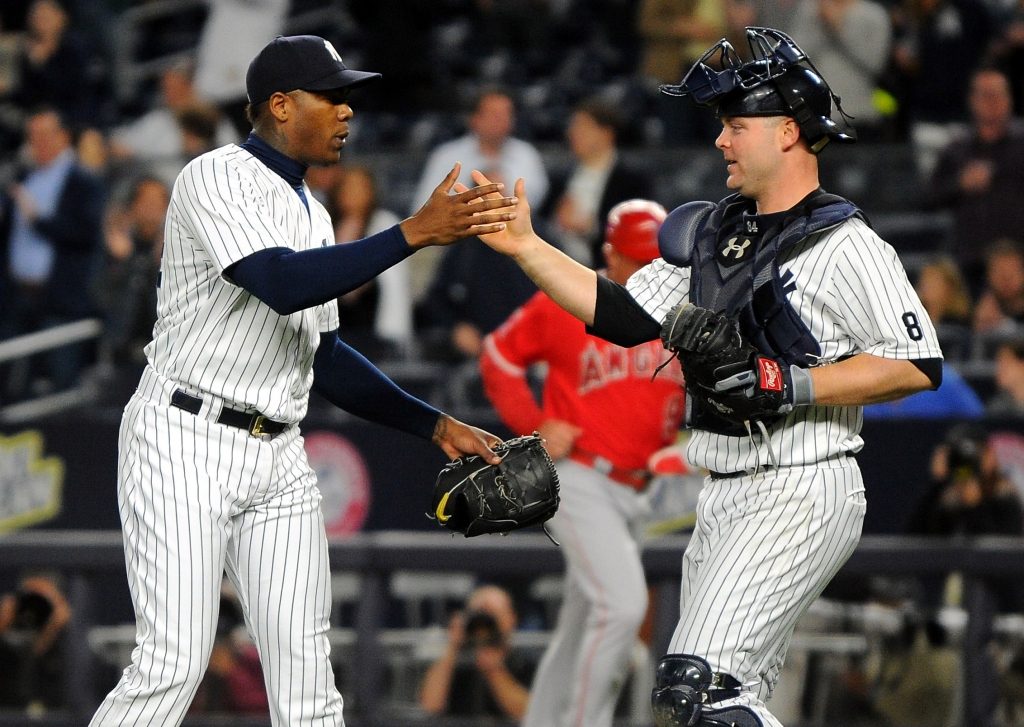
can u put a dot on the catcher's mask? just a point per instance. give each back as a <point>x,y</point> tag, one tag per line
<point>775,83</point>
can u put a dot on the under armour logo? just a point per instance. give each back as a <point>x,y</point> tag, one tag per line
<point>739,249</point>
<point>324,243</point>
<point>330,49</point>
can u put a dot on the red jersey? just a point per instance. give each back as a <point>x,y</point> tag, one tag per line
<point>604,389</point>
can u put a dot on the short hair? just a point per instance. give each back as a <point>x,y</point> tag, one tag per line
<point>1014,346</point>
<point>200,121</point>
<point>256,112</point>
<point>605,114</point>
<point>490,90</point>
<point>1004,246</point>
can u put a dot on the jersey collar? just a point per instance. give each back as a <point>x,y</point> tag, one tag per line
<point>285,167</point>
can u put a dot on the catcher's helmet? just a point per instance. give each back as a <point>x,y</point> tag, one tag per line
<point>774,83</point>
<point>632,229</point>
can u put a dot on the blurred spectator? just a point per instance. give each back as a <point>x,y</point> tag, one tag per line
<point>55,235</point>
<point>980,175</point>
<point>33,620</point>
<point>936,52</point>
<point>323,182</point>
<point>1001,305</point>
<point>599,181</point>
<point>376,318</point>
<point>489,148</point>
<point>126,287</point>
<point>849,41</point>
<point>234,32</point>
<point>971,497</point>
<point>474,291</point>
<point>944,295</point>
<point>56,68</point>
<point>675,34</point>
<point>481,673</point>
<point>165,137</point>
<point>1009,399</point>
<point>1008,53</point>
<point>234,682</point>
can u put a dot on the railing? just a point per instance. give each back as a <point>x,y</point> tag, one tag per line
<point>45,340</point>
<point>81,554</point>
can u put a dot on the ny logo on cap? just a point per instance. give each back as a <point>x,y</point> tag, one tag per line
<point>330,49</point>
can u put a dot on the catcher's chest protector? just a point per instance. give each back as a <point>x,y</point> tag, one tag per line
<point>736,271</point>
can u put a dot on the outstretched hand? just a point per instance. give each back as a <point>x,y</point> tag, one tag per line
<point>446,218</point>
<point>458,439</point>
<point>511,237</point>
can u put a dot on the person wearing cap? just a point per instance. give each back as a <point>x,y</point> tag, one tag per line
<point>212,473</point>
<point>828,322</point>
<point>601,418</point>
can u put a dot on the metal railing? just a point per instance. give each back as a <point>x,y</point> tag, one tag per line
<point>84,554</point>
<point>46,340</point>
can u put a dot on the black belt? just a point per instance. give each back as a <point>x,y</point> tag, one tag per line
<point>254,423</point>
<point>743,473</point>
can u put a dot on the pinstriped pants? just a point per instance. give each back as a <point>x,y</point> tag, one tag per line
<point>764,548</point>
<point>199,499</point>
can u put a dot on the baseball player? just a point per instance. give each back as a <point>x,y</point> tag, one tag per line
<point>602,418</point>
<point>833,324</point>
<point>212,475</point>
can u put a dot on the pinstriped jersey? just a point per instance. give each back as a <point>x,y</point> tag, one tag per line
<point>212,336</point>
<point>850,289</point>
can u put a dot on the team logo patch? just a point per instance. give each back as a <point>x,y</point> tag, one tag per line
<point>771,374</point>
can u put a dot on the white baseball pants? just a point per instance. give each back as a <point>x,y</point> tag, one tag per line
<point>764,548</point>
<point>198,499</point>
<point>579,679</point>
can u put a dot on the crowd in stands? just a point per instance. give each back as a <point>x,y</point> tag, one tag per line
<point>560,92</point>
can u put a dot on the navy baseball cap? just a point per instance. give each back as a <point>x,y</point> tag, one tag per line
<point>306,62</point>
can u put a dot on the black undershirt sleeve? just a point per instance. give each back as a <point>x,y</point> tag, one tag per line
<point>930,367</point>
<point>619,319</point>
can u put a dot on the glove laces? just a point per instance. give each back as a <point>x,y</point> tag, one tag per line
<point>766,439</point>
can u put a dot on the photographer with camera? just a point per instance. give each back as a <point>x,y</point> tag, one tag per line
<point>480,673</point>
<point>32,624</point>
<point>972,497</point>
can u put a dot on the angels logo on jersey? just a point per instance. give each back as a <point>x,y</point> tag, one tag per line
<point>602,365</point>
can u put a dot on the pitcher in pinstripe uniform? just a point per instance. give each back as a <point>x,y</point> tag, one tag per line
<point>213,477</point>
<point>811,286</point>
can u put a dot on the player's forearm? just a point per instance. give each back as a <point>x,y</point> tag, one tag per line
<point>437,684</point>
<point>571,285</point>
<point>510,695</point>
<point>290,281</point>
<point>866,379</point>
<point>510,395</point>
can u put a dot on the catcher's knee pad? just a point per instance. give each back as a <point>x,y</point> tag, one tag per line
<point>685,687</point>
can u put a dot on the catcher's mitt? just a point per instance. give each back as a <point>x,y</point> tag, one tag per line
<point>723,369</point>
<point>473,497</point>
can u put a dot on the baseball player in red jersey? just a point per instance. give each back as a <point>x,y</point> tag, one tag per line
<point>602,417</point>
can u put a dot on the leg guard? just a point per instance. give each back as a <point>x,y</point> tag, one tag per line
<point>684,688</point>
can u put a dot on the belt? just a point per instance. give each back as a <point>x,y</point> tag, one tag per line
<point>254,423</point>
<point>633,478</point>
<point>744,473</point>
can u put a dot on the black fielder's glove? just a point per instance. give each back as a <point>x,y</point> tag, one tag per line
<point>723,369</point>
<point>473,497</point>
